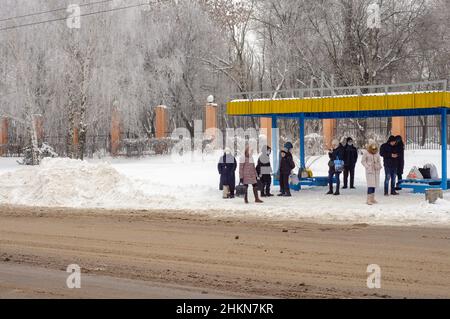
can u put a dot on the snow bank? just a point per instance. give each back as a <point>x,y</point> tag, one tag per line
<point>160,183</point>
<point>70,183</point>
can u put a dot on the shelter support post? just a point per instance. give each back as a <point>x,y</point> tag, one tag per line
<point>275,143</point>
<point>302,141</point>
<point>444,147</point>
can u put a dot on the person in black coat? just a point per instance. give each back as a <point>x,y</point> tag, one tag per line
<point>337,153</point>
<point>350,159</point>
<point>286,166</point>
<point>389,151</point>
<point>401,160</point>
<point>264,171</point>
<point>227,167</point>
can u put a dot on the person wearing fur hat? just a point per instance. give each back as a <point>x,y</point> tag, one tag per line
<point>371,161</point>
<point>336,153</point>
<point>350,160</point>
<point>389,152</point>
<point>264,171</point>
<point>227,169</point>
<point>247,174</point>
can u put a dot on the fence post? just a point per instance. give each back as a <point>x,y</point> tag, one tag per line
<point>4,124</point>
<point>211,118</point>
<point>399,127</point>
<point>329,131</point>
<point>266,125</point>
<point>160,121</point>
<point>115,131</point>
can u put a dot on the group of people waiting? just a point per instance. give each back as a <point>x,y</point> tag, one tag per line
<point>343,158</point>
<point>259,176</point>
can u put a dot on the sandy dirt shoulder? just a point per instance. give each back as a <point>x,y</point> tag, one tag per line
<point>246,257</point>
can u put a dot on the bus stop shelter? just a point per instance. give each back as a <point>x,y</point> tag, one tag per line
<point>394,100</point>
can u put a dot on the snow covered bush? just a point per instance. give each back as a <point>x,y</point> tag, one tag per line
<point>44,151</point>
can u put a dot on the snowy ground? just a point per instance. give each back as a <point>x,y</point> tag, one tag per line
<point>159,182</point>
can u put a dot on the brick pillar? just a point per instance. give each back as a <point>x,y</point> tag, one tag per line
<point>115,131</point>
<point>161,121</point>
<point>329,129</point>
<point>38,122</point>
<point>266,124</point>
<point>4,124</point>
<point>399,127</point>
<point>210,116</point>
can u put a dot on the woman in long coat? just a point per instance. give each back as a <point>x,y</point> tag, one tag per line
<point>227,170</point>
<point>371,161</point>
<point>247,174</point>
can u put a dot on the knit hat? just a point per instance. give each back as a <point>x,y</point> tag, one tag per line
<point>288,146</point>
<point>392,139</point>
<point>349,139</point>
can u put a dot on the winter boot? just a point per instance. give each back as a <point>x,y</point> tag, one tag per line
<point>257,200</point>
<point>246,195</point>
<point>330,192</point>
<point>372,199</point>
<point>226,192</point>
<point>369,199</point>
<point>394,193</point>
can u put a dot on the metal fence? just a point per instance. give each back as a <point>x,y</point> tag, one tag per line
<point>422,132</point>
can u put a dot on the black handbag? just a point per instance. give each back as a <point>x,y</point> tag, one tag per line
<point>426,173</point>
<point>240,190</point>
<point>259,185</point>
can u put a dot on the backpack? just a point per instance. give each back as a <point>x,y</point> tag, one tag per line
<point>338,165</point>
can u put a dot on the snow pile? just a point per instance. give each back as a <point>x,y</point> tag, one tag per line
<point>70,183</point>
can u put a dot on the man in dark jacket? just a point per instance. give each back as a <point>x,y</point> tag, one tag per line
<point>264,171</point>
<point>401,159</point>
<point>227,167</point>
<point>389,152</point>
<point>286,166</point>
<point>336,153</point>
<point>350,159</point>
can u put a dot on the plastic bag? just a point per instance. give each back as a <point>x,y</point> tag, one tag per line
<point>338,165</point>
<point>414,173</point>
<point>293,179</point>
<point>433,170</point>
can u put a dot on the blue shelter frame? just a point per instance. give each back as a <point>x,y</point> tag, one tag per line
<point>443,112</point>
